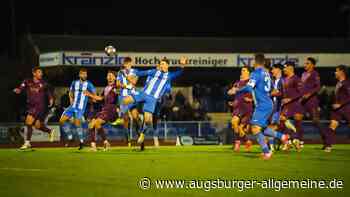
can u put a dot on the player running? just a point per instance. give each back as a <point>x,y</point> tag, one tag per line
<point>108,112</point>
<point>242,109</point>
<point>155,88</point>
<point>78,105</point>
<point>260,86</point>
<point>38,93</point>
<point>291,107</point>
<point>311,85</point>
<point>341,106</point>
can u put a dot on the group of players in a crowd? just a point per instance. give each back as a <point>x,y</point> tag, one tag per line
<point>261,104</point>
<point>120,89</point>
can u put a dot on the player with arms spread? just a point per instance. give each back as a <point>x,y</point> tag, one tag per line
<point>38,93</point>
<point>155,88</point>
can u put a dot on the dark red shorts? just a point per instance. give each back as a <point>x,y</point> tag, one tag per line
<point>342,113</point>
<point>107,114</point>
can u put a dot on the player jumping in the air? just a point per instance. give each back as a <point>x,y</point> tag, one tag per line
<point>154,89</point>
<point>108,112</point>
<point>126,81</point>
<point>341,106</point>
<point>78,103</point>
<point>38,93</point>
<point>260,86</point>
<point>242,106</point>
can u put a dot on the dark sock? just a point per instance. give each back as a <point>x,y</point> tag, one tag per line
<point>102,133</point>
<point>300,131</point>
<point>45,129</point>
<point>92,135</point>
<point>29,132</point>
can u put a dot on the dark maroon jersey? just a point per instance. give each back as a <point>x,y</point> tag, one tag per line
<point>37,92</point>
<point>239,101</point>
<point>342,92</point>
<point>291,87</point>
<point>110,96</point>
<point>310,83</point>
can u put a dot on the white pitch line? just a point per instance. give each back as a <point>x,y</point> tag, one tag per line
<point>23,169</point>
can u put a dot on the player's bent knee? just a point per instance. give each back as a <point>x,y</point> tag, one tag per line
<point>334,124</point>
<point>255,129</point>
<point>37,124</point>
<point>63,119</point>
<point>298,117</point>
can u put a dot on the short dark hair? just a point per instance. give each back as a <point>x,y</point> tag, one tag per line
<point>35,69</point>
<point>127,60</point>
<point>259,59</point>
<point>279,66</point>
<point>267,63</point>
<point>344,69</point>
<point>312,60</point>
<point>112,72</point>
<point>250,69</point>
<point>164,59</point>
<point>83,70</point>
<point>289,63</point>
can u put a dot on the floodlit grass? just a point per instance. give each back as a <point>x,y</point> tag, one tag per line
<point>68,172</point>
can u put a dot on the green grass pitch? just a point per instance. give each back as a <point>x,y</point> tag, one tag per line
<point>65,172</point>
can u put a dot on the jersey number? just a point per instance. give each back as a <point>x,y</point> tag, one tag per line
<point>267,84</point>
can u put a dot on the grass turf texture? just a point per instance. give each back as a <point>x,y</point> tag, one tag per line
<point>68,172</point>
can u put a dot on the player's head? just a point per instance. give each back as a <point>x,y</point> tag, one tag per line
<point>341,72</point>
<point>276,70</point>
<point>127,63</point>
<point>83,74</point>
<point>111,76</point>
<point>259,60</point>
<point>309,63</point>
<point>164,65</point>
<point>37,73</point>
<point>267,64</point>
<point>245,72</point>
<point>288,69</point>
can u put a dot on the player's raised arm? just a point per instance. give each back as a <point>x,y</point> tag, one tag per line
<point>183,62</point>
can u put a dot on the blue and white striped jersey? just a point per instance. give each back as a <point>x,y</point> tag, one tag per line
<point>158,82</point>
<point>78,87</point>
<point>122,78</point>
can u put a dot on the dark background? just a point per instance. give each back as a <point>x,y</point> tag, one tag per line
<point>247,18</point>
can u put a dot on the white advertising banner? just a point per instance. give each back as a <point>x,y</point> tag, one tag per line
<point>81,58</point>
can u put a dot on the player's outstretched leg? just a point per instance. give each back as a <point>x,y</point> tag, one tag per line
<point>29,124</point>
<point>260,137</point>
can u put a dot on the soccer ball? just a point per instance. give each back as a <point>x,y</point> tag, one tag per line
<point>110,50</point>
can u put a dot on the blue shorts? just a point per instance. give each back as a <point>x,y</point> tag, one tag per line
<point>149,102</point>
<point>125,108</point>
<point>261,117</point>
<point>72,112</point>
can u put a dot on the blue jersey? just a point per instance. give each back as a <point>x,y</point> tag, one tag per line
<point>158,82</point>
<point>260,85</point>
<point>122,78</point>
<point>80,100</point>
